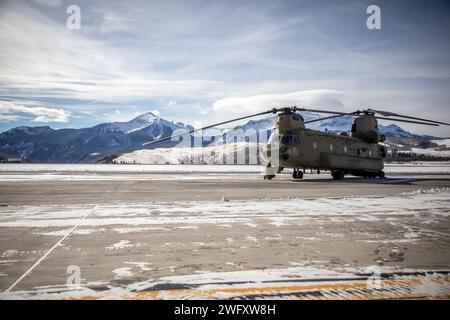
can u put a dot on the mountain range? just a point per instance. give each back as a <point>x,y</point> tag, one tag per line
<point>89,145</point>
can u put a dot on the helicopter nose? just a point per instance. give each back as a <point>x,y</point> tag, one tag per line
<point>284,152</point>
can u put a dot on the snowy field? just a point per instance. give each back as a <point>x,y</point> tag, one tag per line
<point>135,168</point>
<point>216,231</point>
<point>5,169</point>
<point>290,283</point>
<point>397,225</point>
<point>192,213</point>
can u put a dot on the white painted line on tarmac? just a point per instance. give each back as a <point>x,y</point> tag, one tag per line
<point>61,240</point>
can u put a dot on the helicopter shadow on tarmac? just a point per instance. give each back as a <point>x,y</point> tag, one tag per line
<point>404,181</point>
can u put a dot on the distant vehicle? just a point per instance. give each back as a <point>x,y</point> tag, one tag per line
<point>294,146</point>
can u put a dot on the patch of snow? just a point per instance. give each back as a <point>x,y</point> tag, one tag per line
<point>216,154</point>
<point>134,230</point>
<point>234,284</point>
<point>124,272</point>
<point>192,213</point>
<point>251,238</point>
<point>118,168</point>
<point>63,232</point>
<point>119,245</point>
<point>9,253</point>
<point>143,266</point>
<point>251,225</point>
<point>443,142</point>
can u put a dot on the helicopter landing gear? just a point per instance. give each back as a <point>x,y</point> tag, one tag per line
<point>297,174</point>
<point>338,174</point>
<point>381,175</point>
<point>269,172</point>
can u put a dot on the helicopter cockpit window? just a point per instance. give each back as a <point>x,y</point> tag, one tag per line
<point>289,139</point>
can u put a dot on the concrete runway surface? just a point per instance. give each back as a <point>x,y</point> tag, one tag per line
<point>222,235</point>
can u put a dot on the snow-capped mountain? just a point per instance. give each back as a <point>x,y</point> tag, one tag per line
<point>140,122</point>
<point>46,145</point>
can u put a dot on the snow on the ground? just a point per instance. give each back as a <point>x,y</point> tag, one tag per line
<point>440,151</point>
<point>418,167</point>
<point>343,283</point>
<point>216,154</point>
<point>119,168</point>
<point>444,142</point>
<point>119,245</point>
<point>130,177</point>
<point>430,152</point>
<point>23,171</point>
<point>192,213</point>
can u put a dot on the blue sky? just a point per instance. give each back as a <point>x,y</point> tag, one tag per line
<point>205,61</point>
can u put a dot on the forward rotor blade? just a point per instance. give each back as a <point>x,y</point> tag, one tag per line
<point>409,121</point>
<point>322,111</point>
<point>208,127</point>
<point>391,114</point>
<point>326,118</point>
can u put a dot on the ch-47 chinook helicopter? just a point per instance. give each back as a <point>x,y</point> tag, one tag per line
<point>299,148</point>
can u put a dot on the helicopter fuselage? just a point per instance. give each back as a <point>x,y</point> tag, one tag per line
<point>300,148</point>
<point>294,146</point>
<point>306,148</point>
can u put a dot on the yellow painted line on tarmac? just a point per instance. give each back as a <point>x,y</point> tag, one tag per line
<point>359,290</point>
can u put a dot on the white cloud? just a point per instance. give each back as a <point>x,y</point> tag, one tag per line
<point>325,99</point>
<point>14,110</point>
<point>44,59</point>
<point>9,117</point>
<point>49,3</point>
<point>136,53</point>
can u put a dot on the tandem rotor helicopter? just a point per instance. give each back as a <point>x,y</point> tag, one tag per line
<point>299,148</point>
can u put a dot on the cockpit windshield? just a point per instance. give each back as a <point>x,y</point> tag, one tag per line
<point>288,139</point>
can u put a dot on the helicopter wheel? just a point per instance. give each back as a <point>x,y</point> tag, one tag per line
<point>381,175</point>
<point>297,174</point>
<point>338,175</point>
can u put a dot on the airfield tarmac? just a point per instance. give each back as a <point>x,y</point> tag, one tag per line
<point>218,234</point>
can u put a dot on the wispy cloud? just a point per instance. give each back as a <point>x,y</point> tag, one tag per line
<point>140,55</point>
<point>44,59</point>
<point>309,98</point>
<point>14,110</point>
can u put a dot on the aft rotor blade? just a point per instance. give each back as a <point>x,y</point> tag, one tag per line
<point>208,127</point>
<point>326,118</point>
<point>391,114</point>
<point>409,121</point>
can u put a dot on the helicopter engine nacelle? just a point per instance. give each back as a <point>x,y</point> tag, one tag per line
<point>372,136</point>
<point>366,127</point>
